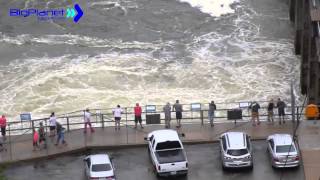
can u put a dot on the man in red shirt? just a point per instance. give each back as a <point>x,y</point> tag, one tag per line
<point>3,124</point>
<point>137,115</point>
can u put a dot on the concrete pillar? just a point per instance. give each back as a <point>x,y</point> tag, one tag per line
<point>305,50</point>
<point>292,10</point>
<point>298,22</point>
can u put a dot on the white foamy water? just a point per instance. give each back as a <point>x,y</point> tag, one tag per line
<point>213,7</point>
<point>234,63</point>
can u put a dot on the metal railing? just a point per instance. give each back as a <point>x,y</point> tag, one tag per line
<point>104,118</point>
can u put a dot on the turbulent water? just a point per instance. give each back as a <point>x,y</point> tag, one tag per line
<point>148,51</point>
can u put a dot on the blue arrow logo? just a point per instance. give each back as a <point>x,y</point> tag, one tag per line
<point>71,13</point>
<point>80,13</point>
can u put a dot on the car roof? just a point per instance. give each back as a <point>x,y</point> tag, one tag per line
<point>165,135</point>
<point>100,159</point>
<point>281,139</point>
<point>236,140</point>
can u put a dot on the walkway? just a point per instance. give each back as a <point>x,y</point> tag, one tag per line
<point>309,135</point>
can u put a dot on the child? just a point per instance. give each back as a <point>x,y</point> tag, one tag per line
<point>42,135</point>
<point>35,140</point>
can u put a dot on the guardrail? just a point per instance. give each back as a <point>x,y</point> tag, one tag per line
<point>104,117</point>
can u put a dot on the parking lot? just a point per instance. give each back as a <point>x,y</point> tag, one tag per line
<point>134,164</point>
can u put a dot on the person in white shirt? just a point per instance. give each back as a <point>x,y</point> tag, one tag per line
<point>52,124</point>
<point>87,121</point>
<point>117,116</point>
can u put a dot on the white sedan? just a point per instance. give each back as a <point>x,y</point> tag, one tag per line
<point>99,167</point>
<point>283,151</point>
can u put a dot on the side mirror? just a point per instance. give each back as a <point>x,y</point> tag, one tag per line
<point>183,135</point>
<point>146,139</point>
<point>85,160</point>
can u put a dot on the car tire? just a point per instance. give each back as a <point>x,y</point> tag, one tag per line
<point>251,167</point>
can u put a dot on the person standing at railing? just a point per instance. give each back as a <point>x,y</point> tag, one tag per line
<point>87,121</point>
<point>270,111</point>
<point>167,114</point>
<point>35,140</point>
<point>3,125</point>
<point>52,124</point>
<point>281,110</point>
<point>42,136</point>
<point>60,135</point>
<point>117,116</point>
<point>178,108</point>
<point>254,106</point>
<point>137,116</point>
<point>212,108</point>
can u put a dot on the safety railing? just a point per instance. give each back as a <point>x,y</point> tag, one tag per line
<point>104,118</point>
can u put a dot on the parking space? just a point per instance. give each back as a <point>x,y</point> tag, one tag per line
<point>134,164</point>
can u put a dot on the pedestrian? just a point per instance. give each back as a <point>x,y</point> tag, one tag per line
<point>167,114</point>
<point>212,108</point>
<point>137,116</point>
<point>3,124</point>
<point>87,121</point>
<point>35,140</point>
<point>42,136</point>
<point>52,124</point>
<point>270,111</point>
<point>178,108</point>
<point>254,106</point>
<point>117,116</point>
<point>281,110</point>
<point>312,111</point>
<point>60,134</point>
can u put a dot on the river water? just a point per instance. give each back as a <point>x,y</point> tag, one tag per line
<point>147,51</point>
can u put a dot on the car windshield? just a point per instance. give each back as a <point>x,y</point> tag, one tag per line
<point>237,152</point>
<point>285,149</point>
<point>101,167</point>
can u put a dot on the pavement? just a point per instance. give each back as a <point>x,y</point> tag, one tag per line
<point>19,148</point>
<point>134,164</point>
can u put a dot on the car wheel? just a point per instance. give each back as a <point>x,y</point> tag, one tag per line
<point>251,167</point>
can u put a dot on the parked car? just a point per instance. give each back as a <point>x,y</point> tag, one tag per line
<point>236,150</point>
<point>283,151</point>
<point>167,153</point>
<point>99,166</point>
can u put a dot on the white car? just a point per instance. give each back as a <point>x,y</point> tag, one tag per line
<point>283,151</point>
<point>167,153</point>
<point>236,150</point>
<point>99,167</point>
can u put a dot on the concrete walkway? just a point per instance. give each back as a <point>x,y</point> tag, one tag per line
<point>309,135</point>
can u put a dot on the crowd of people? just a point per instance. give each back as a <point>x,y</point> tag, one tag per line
<point>57,130</point>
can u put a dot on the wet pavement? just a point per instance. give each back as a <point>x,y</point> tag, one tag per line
<point>134,164</point>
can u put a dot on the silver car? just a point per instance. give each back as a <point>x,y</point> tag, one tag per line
<point>235,148</point>
<point>283,151</point>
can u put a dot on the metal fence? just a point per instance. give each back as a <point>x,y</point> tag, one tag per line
<point>104,117</point>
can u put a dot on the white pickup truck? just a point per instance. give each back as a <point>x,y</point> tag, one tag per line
<point>167,154</point>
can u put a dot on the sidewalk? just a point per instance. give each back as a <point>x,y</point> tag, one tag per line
<point>309,136</point>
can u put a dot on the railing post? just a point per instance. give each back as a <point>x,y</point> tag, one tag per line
<point>32,125</point>
<point>102,120</point>
<point>201,117</point>
<point>68,125</point>
<point>10,141</point>
<point>297,114</point>
<point>127,125</point>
